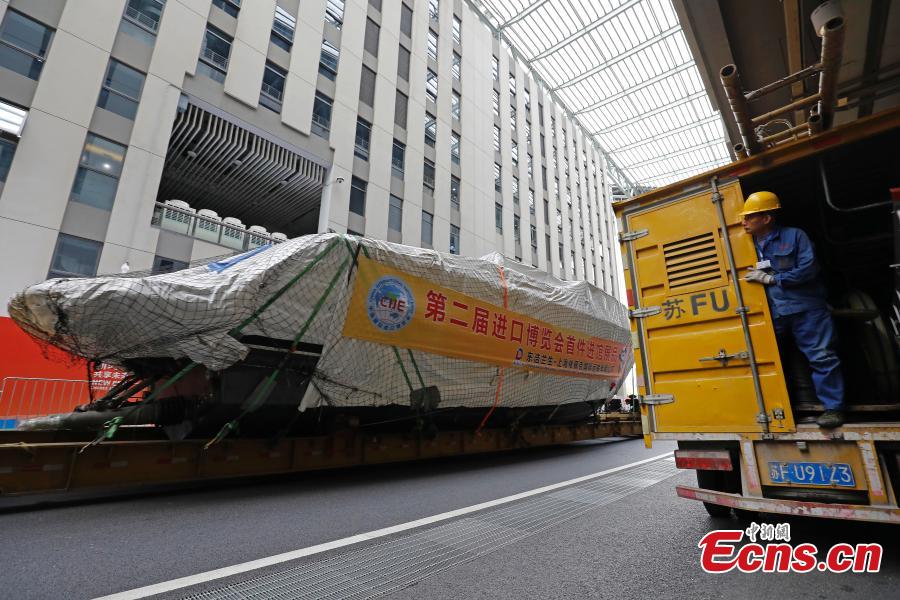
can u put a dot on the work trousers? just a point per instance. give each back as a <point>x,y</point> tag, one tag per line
<point>813,332</point>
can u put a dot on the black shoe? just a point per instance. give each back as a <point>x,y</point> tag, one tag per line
<point>830,419</point>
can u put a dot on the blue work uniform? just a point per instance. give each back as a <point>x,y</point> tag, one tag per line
<point>799,308</point>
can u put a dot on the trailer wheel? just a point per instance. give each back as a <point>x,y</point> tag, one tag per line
<point>713,480</point>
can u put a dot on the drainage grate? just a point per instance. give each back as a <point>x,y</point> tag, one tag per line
<point>403,561</point>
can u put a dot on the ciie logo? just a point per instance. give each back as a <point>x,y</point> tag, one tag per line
<point>390,304</point>
<point>720,553</point>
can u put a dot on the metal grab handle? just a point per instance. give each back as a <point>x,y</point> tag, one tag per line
<point>724,357</point>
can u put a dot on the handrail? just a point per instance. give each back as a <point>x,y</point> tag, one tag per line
<point>189,223</point>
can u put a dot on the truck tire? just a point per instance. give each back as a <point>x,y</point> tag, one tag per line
<point>713,480</point>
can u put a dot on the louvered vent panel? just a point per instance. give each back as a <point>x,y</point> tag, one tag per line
<point>691,261</point>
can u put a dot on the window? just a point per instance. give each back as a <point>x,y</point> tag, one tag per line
<point>559,221</point>
<point>454,192</point>
<point>457,30</point>
<point>141,18</point>
<point>546,212</point>
<point>162,264</point>
<point>496,138</point>
<point>495,68</point>
<point>527,97</point>
<point>454,148</point>
<point>427,228</point>
<point>517,228</point>
<point>98,174</point>
<point>512,117</point>
<point>531,201</point>
<point>403,63</point>
<point>371,40</point>
<point>455,66</point>
<point>454,105</point>
<point>530,166</point>
<point>401,102</point>
<point>496,103</point>
<point>514,153</point>
<point>561,268</point>
<point>431,85</point>
<point>272,87</point>
<point>229,6</point>
<point>454,239</point>
<point>7,151</point>
<point>395,214</point>
<point>321,117</point>
<point>515,189</point>
<point>433,9</point>
<point>214,54</point>
<point>398,159</point>
<point>498,217</point>
<point>406,15</point>
<point>428,175</point>
<point>363,133</point>
<point>358,196</point>
<point>498,175</point>
<point>534,238</point>
<point>541,118</point>
<point>23,44</point>
<point>367,86</point>
<point>334,12</point>
<point>430,130</point>
<point>328,60</point>
<point>74,257</point>
<point>121,90</point>
<point>432,45</point>
<point>512,85</point>
<point>283,29</point>
<point>547,249</point>
<point>376,4</point>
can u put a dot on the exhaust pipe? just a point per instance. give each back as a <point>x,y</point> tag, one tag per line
<point>731,83</point>
<point>832,33</point>
<point>740,151</point>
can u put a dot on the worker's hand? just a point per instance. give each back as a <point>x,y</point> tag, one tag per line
<point>757,276</point>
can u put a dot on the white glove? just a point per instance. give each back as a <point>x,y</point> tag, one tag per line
<point>757,276</point>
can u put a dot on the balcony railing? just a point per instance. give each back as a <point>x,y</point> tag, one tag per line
<point>142,19</point>
<point>215,58</point>
<point>208,229</point>
<point>271,92</point>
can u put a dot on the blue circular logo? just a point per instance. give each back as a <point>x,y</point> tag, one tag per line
<point>390,304</point>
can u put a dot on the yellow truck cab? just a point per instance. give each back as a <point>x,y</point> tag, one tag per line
<point>710,372</point>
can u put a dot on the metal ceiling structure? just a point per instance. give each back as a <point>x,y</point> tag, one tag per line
<point>624,70</point>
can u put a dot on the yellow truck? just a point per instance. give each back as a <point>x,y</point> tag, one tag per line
<point>710,371</point>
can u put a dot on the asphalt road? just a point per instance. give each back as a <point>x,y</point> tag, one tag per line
<point>642,545</point>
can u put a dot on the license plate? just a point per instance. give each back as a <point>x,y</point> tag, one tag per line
<point>812,473</point>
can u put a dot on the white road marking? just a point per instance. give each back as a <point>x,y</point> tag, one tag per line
<point>183,582</point>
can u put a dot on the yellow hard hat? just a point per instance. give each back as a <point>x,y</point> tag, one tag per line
<point>760,202</point>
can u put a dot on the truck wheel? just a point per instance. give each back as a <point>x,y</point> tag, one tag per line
<point>715,481</point>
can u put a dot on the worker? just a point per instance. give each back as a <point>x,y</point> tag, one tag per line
<point>788,269</point>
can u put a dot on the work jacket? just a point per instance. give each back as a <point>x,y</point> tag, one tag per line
<point>797,286</point>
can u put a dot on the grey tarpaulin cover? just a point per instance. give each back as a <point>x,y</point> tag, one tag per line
<point>192,314</point>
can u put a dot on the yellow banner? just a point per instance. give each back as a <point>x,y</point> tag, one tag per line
<point>395,308</point>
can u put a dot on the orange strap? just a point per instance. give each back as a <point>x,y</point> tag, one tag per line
<point>500,374</point>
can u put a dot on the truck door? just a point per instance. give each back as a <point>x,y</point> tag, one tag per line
<point>695,356</point>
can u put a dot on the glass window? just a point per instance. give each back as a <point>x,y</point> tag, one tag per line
<point>432,45</point>
<point>334,12</point>
<point>145,13</point>
<point>121,90</point>
<point>515,189</point>
<point>395,214</point>
<point>367,86</point>
<point>512,85</point>
<point>498,217</point>
<point>363,133</point>
<point>454,192</point>
<point>358,196</point>
<point>433,9</point>
<point>321,117</point>
<point>283,29</point>
<point>23,44</point>
<point>370,43</point>
<point>454,148</point>
<point>527,97</point>
<point>7,151</point>
<point>406,15</point>
<point>427,228</point>
<point>546,212</point>
<point>431,85</point>
<point>167,265</point>
<point>103,155</point>
<point>430,130</point>
<point>495,68</point>
<point>428,175</point>
<point>398,159</point>
<point>534,238</point>
<point>96,180</point>
<point>215,52</point>
<point>229,6</point>
<point>512,117</point>
<point>498,175</point>
<point>457,30</point>
<point>454,239</point>
<point>403,63</point>
<point>496,138</point>
<point>454,105</point>
<point>530,166</point>
<point>74,257</point>
<point>455,66</point>
<point>541,117</point>
<point>496,103</point>
<point>328,60</point>
<point>514,153</point>
<point>531,201</point>
<point>517,228</point>
<point>272,86</point>
<point>401,103</point>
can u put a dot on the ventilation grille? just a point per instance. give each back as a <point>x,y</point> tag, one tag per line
<point>691,261</point>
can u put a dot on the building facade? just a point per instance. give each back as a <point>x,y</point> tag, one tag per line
<point>144,134</point>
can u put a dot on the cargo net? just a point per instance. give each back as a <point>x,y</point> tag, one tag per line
<point>299,291</point>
